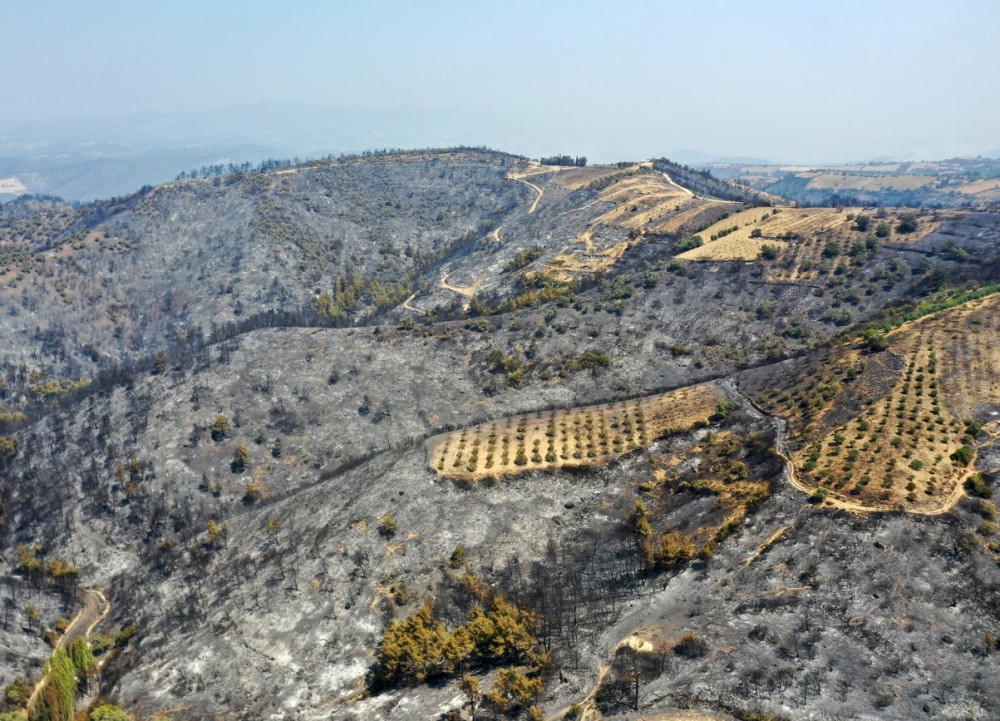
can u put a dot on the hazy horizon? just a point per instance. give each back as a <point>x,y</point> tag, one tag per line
<point>785,82</point>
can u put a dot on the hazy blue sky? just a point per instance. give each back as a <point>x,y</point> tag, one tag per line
<point>794,80</point>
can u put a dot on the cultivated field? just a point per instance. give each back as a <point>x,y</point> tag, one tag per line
<point>896,452</point>
<point>847,181</point>
<point>732,235</point>
<point>880,431</point>
<point>584,436</point>
<point>985,189</point>
<point>639,201</point>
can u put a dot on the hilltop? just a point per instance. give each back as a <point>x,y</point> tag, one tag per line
<point>640,418</point>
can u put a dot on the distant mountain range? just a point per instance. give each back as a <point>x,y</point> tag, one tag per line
<point>698,158</point>
<point>102,157</point>
<point>90,158</point>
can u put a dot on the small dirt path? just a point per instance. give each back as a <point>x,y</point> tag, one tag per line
<point>408,301</point>
<point>536,170</point>
<point>771,540</point>
<point>781,426</point>
<point>588,702</point>
<point>589,710</point>
<point>691,193</point>
<point>95,609</point>
<point>468,292</point>
<point>534,206</point>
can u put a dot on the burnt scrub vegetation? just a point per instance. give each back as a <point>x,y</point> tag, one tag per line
<point>210,251</point>
<point>253,490</point>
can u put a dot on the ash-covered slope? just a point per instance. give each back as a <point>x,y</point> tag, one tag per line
<point>231,496</point>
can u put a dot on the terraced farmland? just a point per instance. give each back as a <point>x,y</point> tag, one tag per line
<point>585,436</point>
<point>897,452</point>
<point>895,429</point>
<point>640,198</point>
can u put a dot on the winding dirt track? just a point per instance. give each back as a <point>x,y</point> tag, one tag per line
<point>407,306</point>
<point>534,206</point>
<point>688,191</point>
<point>95,609</point>
<point>468,292</point>
<point>779,446</point>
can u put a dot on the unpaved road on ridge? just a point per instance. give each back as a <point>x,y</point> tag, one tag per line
<point>538,190</point>
<point>688,191</point>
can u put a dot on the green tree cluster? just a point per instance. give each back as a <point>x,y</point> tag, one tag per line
<point>107,712</point>
<point>522,259</point>
<point>421,647</point>
<point>671,547</point>
<point>57,700</point>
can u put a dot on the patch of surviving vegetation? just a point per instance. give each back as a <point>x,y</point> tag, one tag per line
<point>574,437</point>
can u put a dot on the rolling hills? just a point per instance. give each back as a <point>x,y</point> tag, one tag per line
<point>274,414</point>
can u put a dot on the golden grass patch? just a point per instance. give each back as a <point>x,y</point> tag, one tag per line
<point>897,452</point>
<point>585,436</point>
<point>735,246</point>
<point>848,181</point>
<point>989,187</point>
<point>687,216</point>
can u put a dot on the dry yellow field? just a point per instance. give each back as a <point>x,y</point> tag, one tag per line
<point>576,178</point>
<point>773,224</point>
<point>971,364</point>
<point>847,181</point>
<point>687,217</point>
<point>585,436</point>
<point>981,187</point>
<point>638,201</point>
<point>896,453</point>
<point>737,244</point>
<point>571,264</point>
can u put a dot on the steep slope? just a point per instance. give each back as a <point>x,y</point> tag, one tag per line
<point>259,503</point>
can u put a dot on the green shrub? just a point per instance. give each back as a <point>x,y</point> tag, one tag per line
<point>819,495</point>
<point>692,241</point>
<point>478,325</point>
<point>963,456</point>
<point>907,223</point>
<point>977,486</point>
<point>220,428</point>
<point>691,646</point>
<point>100,643</point>
<point>459,557</point>
<point>523,258</point>
<point>875,340</point>
<point>387,525</point>
<point>107,712</point>
<point>17,692</point>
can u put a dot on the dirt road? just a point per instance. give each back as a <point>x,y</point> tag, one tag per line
<point>534,206</point>
<point>781,426</point>
<point>408,301</point>
<point>689,192</point>
<point>95,609</point>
